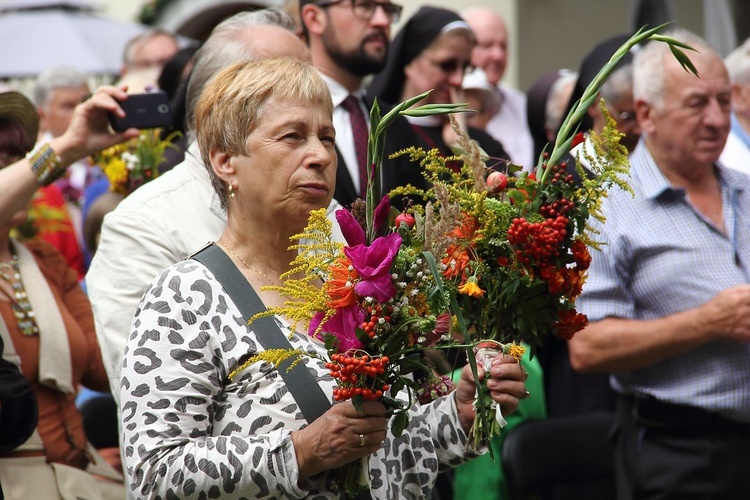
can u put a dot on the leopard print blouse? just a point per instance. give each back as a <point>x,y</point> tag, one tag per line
<point>188,433</point>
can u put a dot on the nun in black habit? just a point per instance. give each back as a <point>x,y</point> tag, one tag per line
<point>432,51</point>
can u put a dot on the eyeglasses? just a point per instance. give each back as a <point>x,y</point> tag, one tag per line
<point>365,9</point>
<point>450,66</point>
<point>621,116</point>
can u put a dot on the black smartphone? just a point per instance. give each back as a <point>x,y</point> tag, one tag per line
<point>149,110</point>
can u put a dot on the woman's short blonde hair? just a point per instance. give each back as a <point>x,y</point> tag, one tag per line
<point>231,106</point>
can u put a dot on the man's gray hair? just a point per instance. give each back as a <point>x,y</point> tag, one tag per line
<point>557,99</point>
<point>738,64</point>
<point>619,85</point>
<point>138,41</point>
<point>224,47</point>
<point>648,65</point>
<point>59,77</point>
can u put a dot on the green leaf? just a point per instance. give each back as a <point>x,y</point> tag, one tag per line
<point>683,59</point>
<point>330,341</point>
<point>434,111</point>
<point>516,196</point>
<point>400,421</point>
<point>357,403</point>
<point>397,387</point>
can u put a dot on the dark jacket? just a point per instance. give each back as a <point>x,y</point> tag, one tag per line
<point>18,409</point>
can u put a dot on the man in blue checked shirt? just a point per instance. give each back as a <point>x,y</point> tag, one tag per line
<point>668,298</point>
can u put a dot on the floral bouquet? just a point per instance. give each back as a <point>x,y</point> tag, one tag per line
<point>514,253</point>
<point>382,302</point>
<point>501,258</point>
<point>133,163</point>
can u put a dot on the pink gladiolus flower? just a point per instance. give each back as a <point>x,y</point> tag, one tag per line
<point>373,264</point>
<point>381,212</point>
<point>343,325</point>
<point>350,228</point>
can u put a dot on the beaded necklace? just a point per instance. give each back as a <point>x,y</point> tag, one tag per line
<point>25,315</point>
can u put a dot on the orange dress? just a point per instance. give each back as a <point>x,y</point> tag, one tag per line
<point>59,420</point>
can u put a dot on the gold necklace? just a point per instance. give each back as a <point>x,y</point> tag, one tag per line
<point>246,264</point>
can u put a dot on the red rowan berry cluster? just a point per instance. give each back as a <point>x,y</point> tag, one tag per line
<point>358,376</point>
<point>537,242</point>
<point>559,175</point>
<point>377,319</point>
<point>556,208</point>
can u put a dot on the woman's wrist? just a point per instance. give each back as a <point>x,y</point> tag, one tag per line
<point>45,164</point>
<point>67,151</point>
<point>465,413</point>
<point>304,465</point>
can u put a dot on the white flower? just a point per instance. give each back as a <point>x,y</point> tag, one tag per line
<point>131,160</point>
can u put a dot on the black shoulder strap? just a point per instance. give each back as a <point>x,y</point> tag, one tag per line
<point>302,385</point>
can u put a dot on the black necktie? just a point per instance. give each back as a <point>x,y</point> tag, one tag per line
<point>360,134</point>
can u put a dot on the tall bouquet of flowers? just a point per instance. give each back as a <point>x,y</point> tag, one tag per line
<point>500,257</point>
<point>382,302</point>
<point>515,249</point>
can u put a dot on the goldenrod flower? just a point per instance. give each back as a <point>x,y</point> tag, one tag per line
<point>273,356</point>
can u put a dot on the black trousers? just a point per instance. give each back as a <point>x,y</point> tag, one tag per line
<point>673,452</point>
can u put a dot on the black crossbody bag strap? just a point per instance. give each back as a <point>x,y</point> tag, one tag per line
<point>302,385</point>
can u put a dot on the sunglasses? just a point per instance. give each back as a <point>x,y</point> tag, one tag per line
<point>450,66</point>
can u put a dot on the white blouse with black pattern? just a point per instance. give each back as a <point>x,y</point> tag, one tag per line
<point>189,433</point>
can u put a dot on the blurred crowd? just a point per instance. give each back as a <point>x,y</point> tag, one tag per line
<point>662,365</point>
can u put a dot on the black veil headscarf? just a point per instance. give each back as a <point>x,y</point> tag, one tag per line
<point>590,66</point>
<point>416,35</point>
<point>536,108</point>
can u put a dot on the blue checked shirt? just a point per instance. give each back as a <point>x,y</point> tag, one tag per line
<point>662,257</point>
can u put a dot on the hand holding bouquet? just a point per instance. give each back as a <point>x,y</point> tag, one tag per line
<point>501,257</point>
<point>514,249</point>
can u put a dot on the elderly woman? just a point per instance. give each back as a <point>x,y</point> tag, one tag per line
<point>266,136</point>
<point>46,323</point>
<point>432,52</point>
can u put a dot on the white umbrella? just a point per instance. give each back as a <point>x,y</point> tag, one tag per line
<point>39,34</point>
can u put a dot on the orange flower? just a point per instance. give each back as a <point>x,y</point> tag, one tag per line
<point>471,288</point>
<point>340,287</point>
<point>555,278</point>
<point>574,283</point>
<point>458,253</point>
<point>566,281</point>
<point>455,262</point>
<point>515,350</point>
<point>581,255</point>
<point>569,322</point>
<point>466,230</point>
